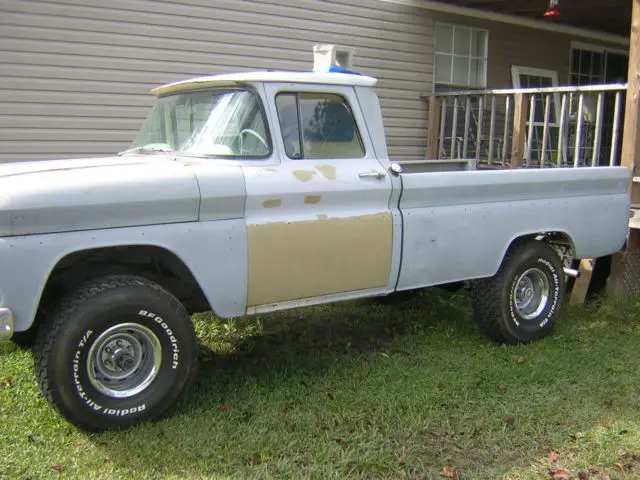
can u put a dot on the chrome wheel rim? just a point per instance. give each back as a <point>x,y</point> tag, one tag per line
<point>124,360</point>
<point>531,294</point>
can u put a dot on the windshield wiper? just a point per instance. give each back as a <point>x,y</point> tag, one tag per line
<point>145,149</point>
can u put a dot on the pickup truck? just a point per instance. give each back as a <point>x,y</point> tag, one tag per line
<point>255,192</point>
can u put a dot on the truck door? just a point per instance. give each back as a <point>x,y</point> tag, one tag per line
<point>318,218</point>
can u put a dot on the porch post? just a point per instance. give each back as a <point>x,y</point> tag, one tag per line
<point>625,267</point>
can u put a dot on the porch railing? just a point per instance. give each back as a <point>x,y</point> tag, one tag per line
<point>532,127</point>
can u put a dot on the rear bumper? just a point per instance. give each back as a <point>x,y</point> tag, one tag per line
<point>6,324</point>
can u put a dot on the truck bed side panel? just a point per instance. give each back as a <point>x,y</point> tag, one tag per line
<point>458,225</point>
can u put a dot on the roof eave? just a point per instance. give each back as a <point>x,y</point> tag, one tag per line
<point>514,20</point>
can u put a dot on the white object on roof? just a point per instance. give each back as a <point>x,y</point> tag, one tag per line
<point>324,56</point>
<point>266,76</point>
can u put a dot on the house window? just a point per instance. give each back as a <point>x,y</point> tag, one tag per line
<point>318,126</point>
<point>527,77</point>
<point>460,56</point>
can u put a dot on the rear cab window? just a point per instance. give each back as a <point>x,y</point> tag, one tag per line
<point>318,126</point>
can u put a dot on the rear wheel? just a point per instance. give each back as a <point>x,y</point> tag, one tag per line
<point>521,303</point>
<point>120,351</point>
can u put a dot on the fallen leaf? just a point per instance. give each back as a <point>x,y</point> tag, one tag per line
<point>521,359</point>
<point>510,420</point>
<point>255,460</point>
<point>559,475</point>
<point>7,382</point>
<point>57,467</point>
<point>621,453</point>
<point>450,472</point>
<point>502,388</point>
<point>607,403</point>
<point>342,443</point>
<point>553,456</point>
<point>224,407</point>
<point>618,467</point>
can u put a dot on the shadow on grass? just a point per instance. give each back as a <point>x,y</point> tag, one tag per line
<point>398,392</point>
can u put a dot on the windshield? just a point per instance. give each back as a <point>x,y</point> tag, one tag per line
<point>225,123</point>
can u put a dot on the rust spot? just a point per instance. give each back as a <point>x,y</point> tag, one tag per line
<point>323,217</point>
<point>311,199</point>
<point>272,203</point>
<point>328,171</point>
<point>304,175</point>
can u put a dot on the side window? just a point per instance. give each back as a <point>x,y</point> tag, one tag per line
<point>318,126</point>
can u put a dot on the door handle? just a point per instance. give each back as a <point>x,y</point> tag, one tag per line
<point>372,174</point>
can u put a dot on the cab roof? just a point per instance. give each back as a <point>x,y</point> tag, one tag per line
<point>331,78</point>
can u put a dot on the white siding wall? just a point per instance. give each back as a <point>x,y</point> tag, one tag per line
<point>75,74</point>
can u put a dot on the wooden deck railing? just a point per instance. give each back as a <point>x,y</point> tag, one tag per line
<point>533,127</point>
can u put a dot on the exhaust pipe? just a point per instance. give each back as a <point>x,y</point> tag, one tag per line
<point>570,272</point>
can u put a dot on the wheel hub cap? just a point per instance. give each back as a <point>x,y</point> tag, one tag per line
<point>124,360</point>
<point>531,293</point>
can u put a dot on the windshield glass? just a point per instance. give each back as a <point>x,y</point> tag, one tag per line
<point>226,123</point>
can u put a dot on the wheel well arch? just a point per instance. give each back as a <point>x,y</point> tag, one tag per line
<point>560,240</point>
<point>155,263</point>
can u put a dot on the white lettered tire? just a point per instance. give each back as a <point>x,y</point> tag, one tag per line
<point>119,351</point>
<point>522,302</point>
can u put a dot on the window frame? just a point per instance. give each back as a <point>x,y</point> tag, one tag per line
<point>484,60</point>
<point>296,94</point>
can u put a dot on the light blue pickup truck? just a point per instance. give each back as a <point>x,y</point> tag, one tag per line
<point>262,191</point>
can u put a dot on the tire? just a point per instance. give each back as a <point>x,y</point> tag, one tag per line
<point>508,307</point>
<point>88,353</point>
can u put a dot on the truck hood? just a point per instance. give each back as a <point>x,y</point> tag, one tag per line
<point>90,193</point>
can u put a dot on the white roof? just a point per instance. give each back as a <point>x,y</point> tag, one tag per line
<point>266,76</point>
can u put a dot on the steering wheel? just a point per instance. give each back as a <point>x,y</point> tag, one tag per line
<point>255,134</point>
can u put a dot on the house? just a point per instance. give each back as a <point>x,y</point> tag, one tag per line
<point>75,75</point>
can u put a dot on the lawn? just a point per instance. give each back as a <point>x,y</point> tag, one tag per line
<point>361,390</point>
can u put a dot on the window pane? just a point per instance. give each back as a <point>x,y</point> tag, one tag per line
<point>443,68</point>
<point>478,43</point>
<point>460,71</point>
<point>329,129</point>
<point>461,41</point>
<point>477,73</point>
<point>444,38</point>
<point>288,119</point>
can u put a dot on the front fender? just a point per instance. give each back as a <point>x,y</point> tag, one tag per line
<point>215,252</point>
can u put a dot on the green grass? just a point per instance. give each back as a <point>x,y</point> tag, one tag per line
<point>360,390</point>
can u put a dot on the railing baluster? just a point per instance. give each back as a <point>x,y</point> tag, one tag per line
<point>443,127</point>
<point>492,128</point>
<point>576,151</point>
<point>545,130</point>
<point>598,133</point>
<point>479,129</point>
<point>454,128</point>
<point>561,129</point>
<point>507,123</point>
<point>465,135</point>
<point>616,129</point>
<point>532,113</point>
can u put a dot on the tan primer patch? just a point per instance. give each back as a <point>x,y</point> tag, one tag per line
<point>272,203</point>
<point>304,175</point>
<point>312,199</point>
<point>328,171</point>
<point>294,260</point>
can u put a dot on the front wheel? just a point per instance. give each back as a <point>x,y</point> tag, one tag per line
<point>521,303</point>
<point>120,351</point>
